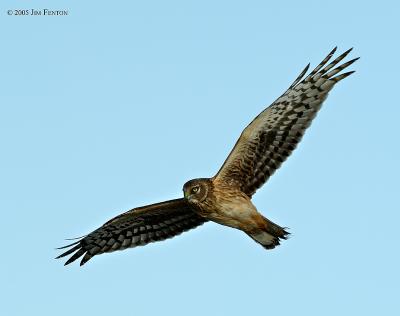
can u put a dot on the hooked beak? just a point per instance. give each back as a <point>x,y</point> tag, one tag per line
<point>185,194</point>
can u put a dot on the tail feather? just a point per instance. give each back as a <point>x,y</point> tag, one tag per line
<point>269,237</point>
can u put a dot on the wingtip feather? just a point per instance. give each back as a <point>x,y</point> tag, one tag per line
<point>69,251</point>
<point>63,247</point>
<point>300,76</point>
<point>75,256</point>
<point>85,258</point>
<point>342,76</point>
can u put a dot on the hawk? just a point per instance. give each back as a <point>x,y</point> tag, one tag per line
<point>226,197</point>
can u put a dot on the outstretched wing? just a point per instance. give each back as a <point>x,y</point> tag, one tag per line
<point>136,227</point>
<point>271,137</point>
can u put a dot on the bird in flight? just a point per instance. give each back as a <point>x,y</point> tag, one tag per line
<point>226,197</point>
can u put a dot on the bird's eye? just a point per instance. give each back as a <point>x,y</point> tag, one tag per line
<point>195,190</point>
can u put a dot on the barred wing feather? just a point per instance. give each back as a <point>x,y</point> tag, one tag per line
<point>272,136</point>
<point>136,227</point>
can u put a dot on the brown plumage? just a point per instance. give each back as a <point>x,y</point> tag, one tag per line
<point>226,198</point>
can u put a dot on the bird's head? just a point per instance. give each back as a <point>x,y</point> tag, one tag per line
<point>196,190</point>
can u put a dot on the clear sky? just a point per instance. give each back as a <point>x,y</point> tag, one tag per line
<point>119,103</point>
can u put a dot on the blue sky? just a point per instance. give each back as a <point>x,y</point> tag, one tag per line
<point>118,104</point>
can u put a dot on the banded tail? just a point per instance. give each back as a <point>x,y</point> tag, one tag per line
<point>269,237</point>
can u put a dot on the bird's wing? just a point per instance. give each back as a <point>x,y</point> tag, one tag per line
<point>136,227</point>
<point>271,137</point>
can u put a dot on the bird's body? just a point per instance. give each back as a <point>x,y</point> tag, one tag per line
<point>226,198</point>
<point>235,210</point>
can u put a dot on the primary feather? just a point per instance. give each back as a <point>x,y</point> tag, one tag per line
<point>272,136</point>
<point>137,227</point>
